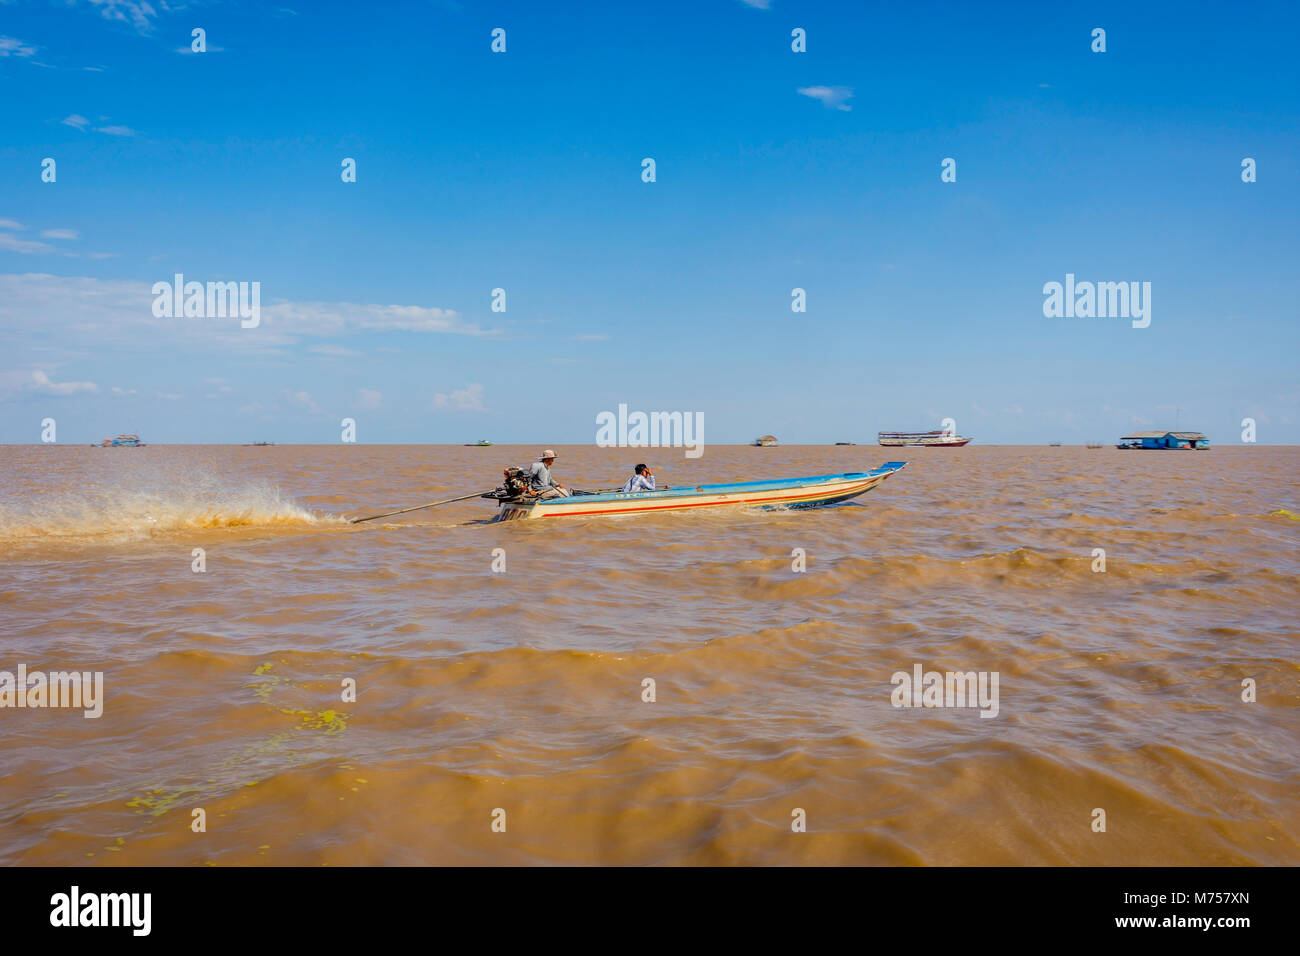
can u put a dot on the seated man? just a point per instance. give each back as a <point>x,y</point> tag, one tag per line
<point>540,481</point>
<point>643,479</point>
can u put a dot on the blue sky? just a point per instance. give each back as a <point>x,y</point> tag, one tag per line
<point>522,171</point>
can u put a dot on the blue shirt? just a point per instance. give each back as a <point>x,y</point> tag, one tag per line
<point>639,483</point>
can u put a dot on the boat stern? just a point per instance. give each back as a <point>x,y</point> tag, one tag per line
<point>517,511</point>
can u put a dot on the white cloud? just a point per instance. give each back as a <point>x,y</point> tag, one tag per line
<point>589,338</point>
<point>61,234</point>
<point>331,318</point>
<point>468,399</point>
<point>74,315</point>
<point>337,351</point>
<point>10,224</point>
<point>37,380</point>
<point>758,4</point>
<point>123,391</point>
<point>832,97</point>
<point>368,398</point>
<point>77,121</point>
<point>44,384</point>
<point>168,396</point>
<point>135,12</point>
<point>9,46</point>
<point>303,400</point>
<point>10,243</point>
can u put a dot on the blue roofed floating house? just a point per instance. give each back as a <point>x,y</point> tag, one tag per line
<point>1164,439</point>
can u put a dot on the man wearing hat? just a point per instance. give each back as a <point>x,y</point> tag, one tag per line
<point>540,481</point>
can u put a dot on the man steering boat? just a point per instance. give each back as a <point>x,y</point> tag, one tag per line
<point>540,480</point>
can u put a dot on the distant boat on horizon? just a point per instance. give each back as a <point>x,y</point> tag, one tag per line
<point>481,443</point>
<point>121,441</point>
<point>936,439</point>
<point>764,441</point>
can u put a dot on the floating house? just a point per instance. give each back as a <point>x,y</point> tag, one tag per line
<point>1161,439</point>
<point>122,441</point>
<point>764,440</point>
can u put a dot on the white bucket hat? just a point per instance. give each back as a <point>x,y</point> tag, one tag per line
<point>546,453</point>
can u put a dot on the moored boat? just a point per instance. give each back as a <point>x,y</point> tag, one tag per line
<point>806,492</point>
<point>938,439</point>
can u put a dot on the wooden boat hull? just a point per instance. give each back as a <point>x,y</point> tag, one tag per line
<point>806,492</point>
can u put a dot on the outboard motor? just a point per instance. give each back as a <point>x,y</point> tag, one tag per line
<point>515,485</point>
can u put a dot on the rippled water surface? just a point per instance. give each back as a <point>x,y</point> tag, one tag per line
<point>522,690</point>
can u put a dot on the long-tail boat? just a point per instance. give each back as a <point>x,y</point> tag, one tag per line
<point>807,492</point>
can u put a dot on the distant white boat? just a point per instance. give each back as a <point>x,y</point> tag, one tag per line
<point>938,439</point>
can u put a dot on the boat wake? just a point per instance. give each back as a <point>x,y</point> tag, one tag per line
<point>113,513</point>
